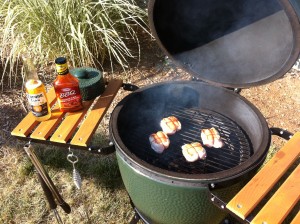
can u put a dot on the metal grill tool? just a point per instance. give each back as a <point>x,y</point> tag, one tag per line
<point>73,159</point>
<point>51,192</point>
<point>50,199</point>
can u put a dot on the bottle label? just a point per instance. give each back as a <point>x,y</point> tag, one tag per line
<point>39,111</point>
<point>62,69</point>
<point>69,98</point>
<point>38,104</point>
<point>67,92</point>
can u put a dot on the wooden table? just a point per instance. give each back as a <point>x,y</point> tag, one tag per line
<point>68,129</point>
<point>283,200</point>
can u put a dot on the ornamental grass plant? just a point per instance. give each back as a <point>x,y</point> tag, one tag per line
<point>87,32</point>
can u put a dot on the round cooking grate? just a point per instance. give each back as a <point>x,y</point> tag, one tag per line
<point>236,150</point>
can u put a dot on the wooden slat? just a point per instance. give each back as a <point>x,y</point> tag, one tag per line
<point>29,122</point>
<point>45,129</point>
<point>90,124</point>
<point>296,220</point>
<point>69,124</point>
<point>282,202</point>
<point>246,200</point>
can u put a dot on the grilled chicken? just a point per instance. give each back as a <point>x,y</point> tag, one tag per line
<point>211,138</point>
<point>193,151</point>
<point>170,125</point>
<point>159,141</point>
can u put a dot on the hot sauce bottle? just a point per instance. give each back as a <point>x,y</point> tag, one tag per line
<point>66,87</point>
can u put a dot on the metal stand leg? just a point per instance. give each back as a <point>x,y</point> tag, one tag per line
<point>137,215</point>
<point>135,219</point>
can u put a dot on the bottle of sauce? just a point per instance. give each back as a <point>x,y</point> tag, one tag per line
<point>36,92</point>
<point>66,87</point>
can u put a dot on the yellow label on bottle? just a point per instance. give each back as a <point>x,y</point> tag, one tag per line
<point>62,69</point>
<point>37,100</point>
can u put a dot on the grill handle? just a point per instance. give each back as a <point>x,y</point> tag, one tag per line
<point>130,87</point>
<point>104,150</point>
<point>126,86</point>
<point>281,133</point>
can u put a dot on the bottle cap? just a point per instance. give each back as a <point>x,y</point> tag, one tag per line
<point>61,66</point>
<point>60,60</point>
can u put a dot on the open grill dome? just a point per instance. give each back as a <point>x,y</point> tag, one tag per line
<point>234,43</point>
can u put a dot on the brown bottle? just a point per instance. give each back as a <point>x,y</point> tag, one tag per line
<point>66,87</point>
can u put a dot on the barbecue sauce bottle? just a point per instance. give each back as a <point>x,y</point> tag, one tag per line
<point>66,87</point>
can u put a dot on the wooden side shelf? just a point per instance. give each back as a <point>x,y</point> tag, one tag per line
<point>62,126</point>
<point>283,200</point>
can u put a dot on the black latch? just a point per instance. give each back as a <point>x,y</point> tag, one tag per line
<point>130,87</point>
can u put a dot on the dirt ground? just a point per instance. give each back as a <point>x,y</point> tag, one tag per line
<point>278,101</point>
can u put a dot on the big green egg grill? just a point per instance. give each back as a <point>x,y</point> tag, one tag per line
<point>224,45</point>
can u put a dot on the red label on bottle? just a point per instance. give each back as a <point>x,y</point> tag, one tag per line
<point>67,92</point>
<point>69,98</point>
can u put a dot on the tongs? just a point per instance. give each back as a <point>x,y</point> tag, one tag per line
<point>51,192</point>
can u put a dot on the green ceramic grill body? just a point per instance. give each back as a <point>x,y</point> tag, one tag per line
<point>91,82</point>
<point>185,36</point>
<point>164,203</point>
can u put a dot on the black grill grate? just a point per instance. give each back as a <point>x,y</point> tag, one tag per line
<point>236,150</point>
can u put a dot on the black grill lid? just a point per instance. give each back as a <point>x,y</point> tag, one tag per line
<point>231,43</point>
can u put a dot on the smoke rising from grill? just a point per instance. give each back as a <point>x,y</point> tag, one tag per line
<point>231,43</point>
<point>197,105</point>
<point>235,43</point>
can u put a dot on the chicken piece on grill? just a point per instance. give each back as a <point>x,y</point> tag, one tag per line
<point>159,141</point>
<point>193,151</point>
<point>211,138</point>
<point>207,137</point>
<point>170,125</point>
